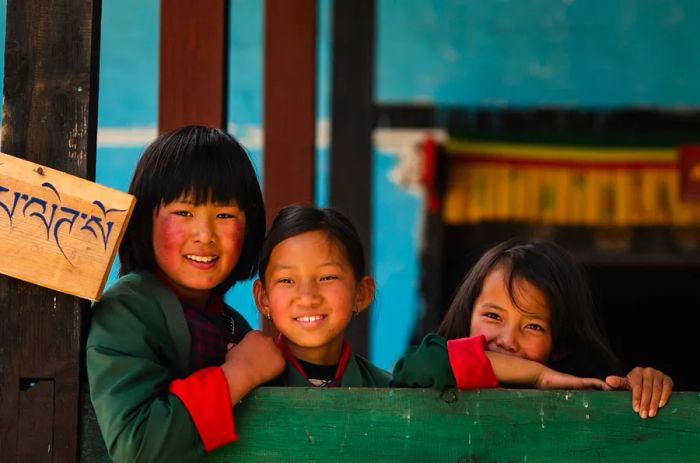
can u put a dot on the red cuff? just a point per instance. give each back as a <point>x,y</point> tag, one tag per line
<point>472,369</point>
<point>205,396</point>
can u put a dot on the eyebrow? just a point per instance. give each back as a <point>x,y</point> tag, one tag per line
<point>536,316</point>
<point>290,266</point>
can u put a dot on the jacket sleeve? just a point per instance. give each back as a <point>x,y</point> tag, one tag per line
<point>439,363</point>
<point>130,367</point>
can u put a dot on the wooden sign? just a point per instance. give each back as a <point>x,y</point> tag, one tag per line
<point>58,230</point>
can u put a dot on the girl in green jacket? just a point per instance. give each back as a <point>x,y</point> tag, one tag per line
<point>162,378</point>
<point>530,316</point>
<point>312,281</point>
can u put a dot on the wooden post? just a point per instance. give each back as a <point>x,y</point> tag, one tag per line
<point>193,63</point>
<point>49,117</point>
<point>290,103</point>
<point>351,128</point>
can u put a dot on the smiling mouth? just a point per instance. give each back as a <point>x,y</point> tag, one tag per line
<point>201,259</point>
<point>310,318</point>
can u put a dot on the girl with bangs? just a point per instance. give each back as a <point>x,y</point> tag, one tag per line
<point>166,357</point>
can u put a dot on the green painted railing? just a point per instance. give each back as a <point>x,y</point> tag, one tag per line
<point>506,425</point>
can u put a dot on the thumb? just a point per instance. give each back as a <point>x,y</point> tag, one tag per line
<point>618,382</point>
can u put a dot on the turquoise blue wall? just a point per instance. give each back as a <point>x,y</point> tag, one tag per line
<point>503,53</point>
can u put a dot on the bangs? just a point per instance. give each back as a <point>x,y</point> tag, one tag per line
<point>520,272</point>
<point>204,170</point>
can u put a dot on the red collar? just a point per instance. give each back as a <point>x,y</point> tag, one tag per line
<point>214,305</point>
<point>289,357</point>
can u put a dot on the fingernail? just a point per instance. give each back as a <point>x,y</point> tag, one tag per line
<point>635,407</point>
<point>643,414</point>
<point>652,414</point>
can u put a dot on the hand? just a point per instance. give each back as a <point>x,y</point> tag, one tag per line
<point>552,379</point>
<point>250,363</point>
<point>650,388</point>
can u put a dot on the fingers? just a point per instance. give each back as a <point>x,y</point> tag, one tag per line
<point>618,382</point>
<point>590,383</point>
<point>666,393</point>
<point>647,386</point>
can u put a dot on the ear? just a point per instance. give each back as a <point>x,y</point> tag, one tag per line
<point>261,299</point>
<point>364,293</point>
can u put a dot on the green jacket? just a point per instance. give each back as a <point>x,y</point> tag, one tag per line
<point>425,365</point>
<point>439,363</point>
<point>359,372</point>
<point>138,343</point>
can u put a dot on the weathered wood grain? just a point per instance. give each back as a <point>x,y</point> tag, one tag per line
<point>49,117</point>
<point>362,425</point>
<point>58,230</point>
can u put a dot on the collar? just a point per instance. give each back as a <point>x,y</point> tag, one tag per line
<point>214,305</point>
<point>342,362</point>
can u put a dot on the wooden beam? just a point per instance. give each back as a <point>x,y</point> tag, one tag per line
<point>290,103</point>
<point>351,129</point>
<point>351,425</point>
<point>193,63</point>
<point>49,117</point>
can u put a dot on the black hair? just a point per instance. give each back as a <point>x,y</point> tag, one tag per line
<point>206,164</point>
<point>295,220</point>
<point>579,344</point>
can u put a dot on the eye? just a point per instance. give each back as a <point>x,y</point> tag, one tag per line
<point>284,280</point>
<point>329,277</point>
<point>491,315</point>
<point>535,327</point>
<point>226,215</point>
<point>183,213</point>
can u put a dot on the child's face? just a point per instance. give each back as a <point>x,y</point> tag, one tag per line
<point>522,330</point>
<point>310,293</point>
<point>197,247</point>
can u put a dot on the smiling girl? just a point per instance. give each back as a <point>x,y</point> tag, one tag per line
<point>162,376</point>
<point>312,281</point>
<point>528,309</point>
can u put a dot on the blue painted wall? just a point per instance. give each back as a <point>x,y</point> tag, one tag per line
<point>575,53</point>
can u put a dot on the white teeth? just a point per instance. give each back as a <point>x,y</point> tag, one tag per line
<point>310,319</point>
<point>202,259</point>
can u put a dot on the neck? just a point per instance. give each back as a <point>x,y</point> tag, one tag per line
<point>324,355</point>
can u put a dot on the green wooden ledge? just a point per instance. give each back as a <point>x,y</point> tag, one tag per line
<point>508,425</point>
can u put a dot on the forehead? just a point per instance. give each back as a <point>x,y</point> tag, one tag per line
<point>309,247</point>
<point>189,198</point>
<point>525,298</point>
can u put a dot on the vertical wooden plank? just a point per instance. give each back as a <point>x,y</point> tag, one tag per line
<point>193,63</point>
<point>35,426</point>
<point>351,127</point>
<point>49,117</point>
<point>290,103</point>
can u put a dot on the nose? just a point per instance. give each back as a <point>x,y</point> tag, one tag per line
<point>507,339</point>
<point>203,230</point>
<point>308,292</point>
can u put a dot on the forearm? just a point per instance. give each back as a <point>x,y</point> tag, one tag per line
<point>510,369</point>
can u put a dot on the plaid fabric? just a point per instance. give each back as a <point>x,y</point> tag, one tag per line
<point>211,331</point>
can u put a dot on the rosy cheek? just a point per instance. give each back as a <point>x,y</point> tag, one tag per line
<point>169,234</point>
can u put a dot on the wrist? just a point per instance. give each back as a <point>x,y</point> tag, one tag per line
<point>239,378</point>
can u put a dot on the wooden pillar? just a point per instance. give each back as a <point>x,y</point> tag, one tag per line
<point>49,117</point>
<point>289,107</point>
<point>351,128</point>
<point>290,103</point>
<point>193,63</point>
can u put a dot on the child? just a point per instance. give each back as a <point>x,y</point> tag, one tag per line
<point>312,281</point>
<point>161,379</point>
<point>526,299</point>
